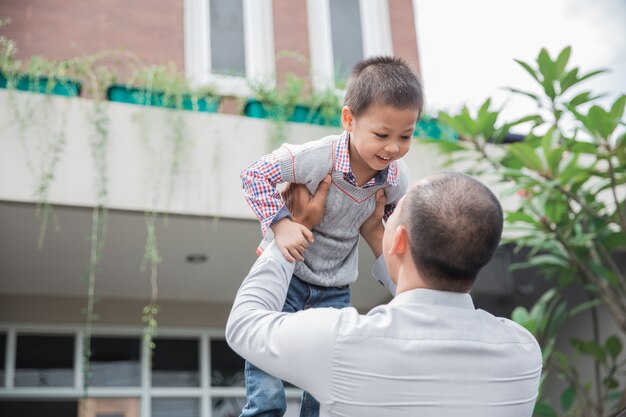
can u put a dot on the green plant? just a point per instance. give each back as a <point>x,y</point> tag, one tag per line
<point>279,103</point>
<point>326,105</point>
<point>569,178</point>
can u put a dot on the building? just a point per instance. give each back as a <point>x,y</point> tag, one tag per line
<point>206,235</point>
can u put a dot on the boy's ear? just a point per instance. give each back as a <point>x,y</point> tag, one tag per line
<point>347,119</point>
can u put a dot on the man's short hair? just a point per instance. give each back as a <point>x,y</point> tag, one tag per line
<point>383,81</point>
<point>454,224</point>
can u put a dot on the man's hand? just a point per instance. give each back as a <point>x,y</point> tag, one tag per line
<point>291,238</point>
<point>372,229</point>
<point>305,208</point>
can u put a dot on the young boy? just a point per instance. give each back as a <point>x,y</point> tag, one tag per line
<point>382,104</point>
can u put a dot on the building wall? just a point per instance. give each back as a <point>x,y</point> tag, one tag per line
<point>124,312</point>
<point>151,29</point>
<point>403,34</point>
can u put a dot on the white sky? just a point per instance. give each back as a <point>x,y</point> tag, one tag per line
<point>467,47</point>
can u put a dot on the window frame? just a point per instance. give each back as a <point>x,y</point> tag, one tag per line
<point>375,34</point>
<point>205,392</point>
<point>258,43</point>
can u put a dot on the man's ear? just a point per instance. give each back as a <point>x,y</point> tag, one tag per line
<point>399,241</point>
<point>347,119</point>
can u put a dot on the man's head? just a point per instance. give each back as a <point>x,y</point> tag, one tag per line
<point>383,101</point>
<point>450,224</point>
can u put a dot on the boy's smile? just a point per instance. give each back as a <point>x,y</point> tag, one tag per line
<point>377,137</point>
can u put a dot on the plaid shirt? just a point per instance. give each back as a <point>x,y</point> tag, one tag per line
<point>260,179</point>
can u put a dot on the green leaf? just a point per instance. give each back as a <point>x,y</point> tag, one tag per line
<point>555,209</point>
<point>581,98</point>
<point>614,346</point>
<point>617,109</point>
<point>601,121</point>
<point>614,240</point>
<point>547,67</point>
<point>611,383</point>
<point>517,216</point>
<point>591,74</point>
<point>528,69</point>
<point>543,260</point>
<point>568,396</point>
<point>535,97</point>
<point>569,79</point>
<point>543,409</point>
<point>526,154</point>
<point>590,348</point>
<point>561,61</point>
<point>562,359</point>
<point>454,123</point>
<point>583,147</point>
<point>521,316</point>
<point>583,307</point>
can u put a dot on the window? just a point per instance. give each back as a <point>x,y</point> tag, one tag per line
<point>175,407</point>
<point>229,43</point>
<point>226,366</point>
<point>343,32</point>
<point>191,373</point>
<point>227,37</point>
<point>115,362</point>
<point>38,407</point>
<point>44,361</point>
<point>347,39</point>
<point>176,363</point>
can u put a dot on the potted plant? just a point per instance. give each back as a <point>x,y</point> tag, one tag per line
<point>164,86</point>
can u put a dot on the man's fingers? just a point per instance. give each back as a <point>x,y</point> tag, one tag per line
<point>307,234</point>
<point>295,254</point>
<point>381,200</point>
<point>322,192</point>
<point>287,255</point>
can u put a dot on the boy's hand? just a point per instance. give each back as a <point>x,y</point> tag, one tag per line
<point>372,228</point>
<point>291,238</point>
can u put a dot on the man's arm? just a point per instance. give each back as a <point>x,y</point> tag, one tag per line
<point>296,347</point>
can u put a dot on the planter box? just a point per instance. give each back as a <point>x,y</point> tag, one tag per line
<point>43,85</point>
<point>301,114</point>
<point>145,97</point>
<point>431,128</point>
<point>254,108</point>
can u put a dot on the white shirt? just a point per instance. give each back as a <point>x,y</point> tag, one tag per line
<point>426,353</point>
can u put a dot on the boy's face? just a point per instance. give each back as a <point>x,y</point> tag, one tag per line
<point>379,136</point>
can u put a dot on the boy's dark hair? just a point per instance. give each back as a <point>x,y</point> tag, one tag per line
<point>383,80</point>
<point>454,225</point>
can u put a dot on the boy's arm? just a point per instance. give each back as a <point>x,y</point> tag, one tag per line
<point>259,189</point>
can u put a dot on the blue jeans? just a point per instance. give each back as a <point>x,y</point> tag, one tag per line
<point>266,393</point>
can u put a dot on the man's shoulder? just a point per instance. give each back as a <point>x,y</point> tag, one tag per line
<point>507,330</point>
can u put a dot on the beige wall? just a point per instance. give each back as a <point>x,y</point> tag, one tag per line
<point>68,310</point>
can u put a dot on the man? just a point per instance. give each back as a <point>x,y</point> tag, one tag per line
<point>428,352</point>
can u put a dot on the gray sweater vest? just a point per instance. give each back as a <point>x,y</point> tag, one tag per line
<point>332,259</point>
